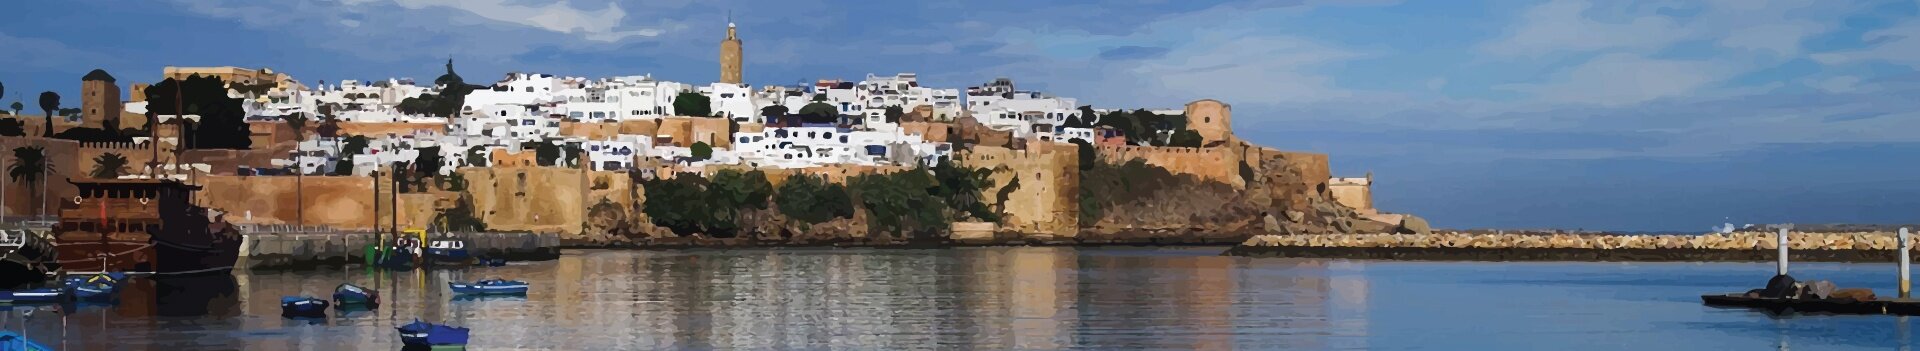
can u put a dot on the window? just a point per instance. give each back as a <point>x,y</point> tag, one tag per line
<point>529,89</point>
<point>827,135</point>
<point>743,140</point>
<point>843,139</point>
<point>576,114</point>
<point>599,114</point>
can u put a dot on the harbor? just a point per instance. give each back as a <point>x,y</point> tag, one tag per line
<point>289,249</point>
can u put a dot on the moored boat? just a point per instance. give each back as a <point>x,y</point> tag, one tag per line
<point>25,257</point>
<point>447,250</point>
<point>355,295</point>
<point>423,334</point>
<point>303,307</point>
<point>36,295</point>
<point>490,287</point>
<point>143,225</point>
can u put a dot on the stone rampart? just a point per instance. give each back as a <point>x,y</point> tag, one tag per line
<point>1047,201</point>
<point>1219,164</point>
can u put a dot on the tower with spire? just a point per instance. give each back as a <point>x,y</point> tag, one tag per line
<point>730,55</point>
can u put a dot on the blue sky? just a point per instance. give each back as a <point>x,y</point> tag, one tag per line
<point>1621,115</point>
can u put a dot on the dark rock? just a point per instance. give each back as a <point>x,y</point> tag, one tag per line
<point>1856,294</point>
<point>1778,287</point>
<point>1412,224</point>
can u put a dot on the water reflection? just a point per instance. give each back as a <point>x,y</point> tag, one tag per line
<point>987,298</point>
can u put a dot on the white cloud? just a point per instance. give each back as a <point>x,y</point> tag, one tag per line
<point>1839,84</point>
<point>1563,25</point>
<point>1621,79</point>
<point>1436,83</point>
<point>602,25</point>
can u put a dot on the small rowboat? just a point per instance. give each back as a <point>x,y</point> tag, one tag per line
<point>349,294</point>
<point>303,307</point>
<point>39,295</point>
<point>490,287</point>
<point>423,334</point>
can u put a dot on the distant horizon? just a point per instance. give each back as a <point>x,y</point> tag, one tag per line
<point>1624,116</point>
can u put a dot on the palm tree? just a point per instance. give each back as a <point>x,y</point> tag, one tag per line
<point>31,165</point>
<point>298,122</point>
<point>49,102</point>
<point>109,166</point>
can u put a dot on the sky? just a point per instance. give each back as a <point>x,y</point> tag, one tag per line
<point>1574,114</point>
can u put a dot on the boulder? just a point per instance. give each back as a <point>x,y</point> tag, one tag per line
<point>1779,286</point>
<point>1819,289</point>
<point>1296,216</point>
<point>1414,225</point>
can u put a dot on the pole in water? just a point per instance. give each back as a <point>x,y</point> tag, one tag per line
<point>1906,286</point>
<point>1783,251</point>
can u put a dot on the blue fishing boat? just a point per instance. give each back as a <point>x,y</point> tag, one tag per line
<point>303,307</point>
<point>447,250</point>
<point>349,294</point>
<point>490,287</point>
<point>96,291</point>
<point>11,341</point>
<point>489,261</point>
<point>38,295</point>
<point>423,334</point>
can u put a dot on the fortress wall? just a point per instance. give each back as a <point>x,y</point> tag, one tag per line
<point>1047,203</point>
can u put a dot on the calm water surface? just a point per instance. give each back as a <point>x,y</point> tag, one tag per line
<point>993,298</point>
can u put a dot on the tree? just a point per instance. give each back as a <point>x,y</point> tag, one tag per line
<point>109,166</point>
<point>683,205</point>
<point>12,127</point>
<point>573,153</point>
<point>355,145</point>
<point>222,122</point>
<point>30,164</point>
<point>298,123</point>
<point>17,107</point>
<point>701,151</point>
<point>49,102</point>
<point>1185,138</point>
<point>811,199</point>
<point>893,114</point>
<point>3,90</point>
<point>544,152</point>
<point>961,187</point>
<point>738,189</point>
<point>820,109</point>
<point>900,202</point>
<point>476,157</point>
<point>772,114</point>
<point>427,165</point>
<point>692,104</point>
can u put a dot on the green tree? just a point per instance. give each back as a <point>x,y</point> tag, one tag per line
<point>355,145</point>
<point>773,113</point>
<point>960,187</point>
<point>1185,138</point>
<point>17,107</point>
<point>811,199</point>
<point>453,93</point>
<point>683,204</point>
<point>573,152</point>
<point>544,152</point>
<point>30,164</point>
<point>893,113</point>
<point>742,190</point>
<point>428,163</point>
<point>1087,154</point>
<point>49,102</point>
<point>692,104</point>
<point>901,202</point>
<point>820,110</point>
<point>701,151</point>
<point>476,157</point>
<point>109,166</point>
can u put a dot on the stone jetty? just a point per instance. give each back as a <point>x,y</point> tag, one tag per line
<point>1739,246</point>
<point>278,251</point>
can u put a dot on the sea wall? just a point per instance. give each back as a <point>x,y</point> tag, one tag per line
<point>1743,246</point>
<point>279,251</point>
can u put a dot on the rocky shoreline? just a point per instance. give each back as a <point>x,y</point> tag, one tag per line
<point>1733,247</point>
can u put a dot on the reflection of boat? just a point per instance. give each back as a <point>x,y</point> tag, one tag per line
<point>349,294</point>
<point>490,287</point>
<point>196,295</point>
<point>11,341</point>
<point>423,334</point>
<point>36,295</point>
<point>477,298</point>
<point>302,306</point>
<point>489,262</point>
<point>143,225</point>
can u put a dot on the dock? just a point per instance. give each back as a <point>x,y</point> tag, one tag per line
<point>278,249</point>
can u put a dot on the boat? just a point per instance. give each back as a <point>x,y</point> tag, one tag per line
<point>303,307</point>
<point>349,294</point>
<point>144,226</point>
<point>25,257</point>
<point>489,261</point>
<point>490,287</point>
<point>36,295</point>
<point>95,291</point>
<point>11,341</point>
<point>447,250</point>
<point>423,334</point>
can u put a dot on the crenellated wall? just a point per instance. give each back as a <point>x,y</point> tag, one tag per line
<point>1219,164</point>
<point>1047,201</point>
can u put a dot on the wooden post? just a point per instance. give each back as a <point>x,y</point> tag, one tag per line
<point>1905,284</point>
<point>1783,251</point>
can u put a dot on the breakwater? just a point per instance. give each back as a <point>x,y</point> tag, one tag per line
<point>1742,246</point>
<point>278,250</point>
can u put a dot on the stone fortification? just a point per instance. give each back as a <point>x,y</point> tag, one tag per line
<point>1046,202</point>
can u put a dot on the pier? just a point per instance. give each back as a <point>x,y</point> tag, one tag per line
<point>280,248</point>
<point>1731,247</point>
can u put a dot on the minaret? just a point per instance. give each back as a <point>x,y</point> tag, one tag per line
<point>730,54</point>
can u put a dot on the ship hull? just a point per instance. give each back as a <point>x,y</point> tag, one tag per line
<point>100,257</point>
<point>186,259</point>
